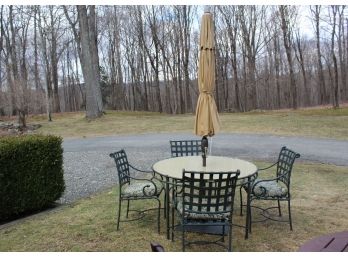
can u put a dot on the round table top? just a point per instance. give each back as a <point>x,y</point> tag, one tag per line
<point>173,167</point>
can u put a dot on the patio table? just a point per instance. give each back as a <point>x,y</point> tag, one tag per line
<point>171,170</point>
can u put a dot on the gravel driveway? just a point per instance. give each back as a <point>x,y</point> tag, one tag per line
<point>89,169</point>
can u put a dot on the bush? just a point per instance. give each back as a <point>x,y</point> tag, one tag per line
<point>31,173</point>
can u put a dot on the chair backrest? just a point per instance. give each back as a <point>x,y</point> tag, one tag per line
<point>208,192</point>
<point>122,166</point>
<point>156,247</point>
<point>286,160</point>
<point>185,147</point>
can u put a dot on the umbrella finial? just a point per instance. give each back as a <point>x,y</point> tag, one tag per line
<point>207,8</point>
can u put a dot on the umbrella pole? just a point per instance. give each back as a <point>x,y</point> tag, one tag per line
<point>210,145</point>
<point>204,146</point>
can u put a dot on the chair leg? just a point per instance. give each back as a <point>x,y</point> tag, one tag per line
<point>290,221</point>
<point>165,206</point>
<point>241,201</point>
<point>223,233</point>
<point>159,216</point>
<point>127,209</point>
<point>280,212</point>
<point>230,238</point>
<point>248,216</point>
<point>172,226</point>
<point>119,213</point>
<point>249,219</point>
<point>183,237</point>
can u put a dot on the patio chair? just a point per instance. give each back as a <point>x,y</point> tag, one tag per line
<point>273,189</point>
<point>185,147</point>
<point>206,199</point>
<point>135,188</point>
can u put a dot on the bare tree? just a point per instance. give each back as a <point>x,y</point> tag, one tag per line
<point>315,10</point>
<point>299,53</point>
<point>230,17</point>
<point>15,33</point>
<point>86,39</point>
<point>287,16</point>
<point>341,42</point>
<point>154,56</point>
<point>47,68</point>
<point>335,86</point>
<point>250,18</point>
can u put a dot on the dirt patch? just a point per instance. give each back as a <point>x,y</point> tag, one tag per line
<point>8,128</point>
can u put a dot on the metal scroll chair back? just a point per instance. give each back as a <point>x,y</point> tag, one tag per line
<point>208,193</point>
<point>207,200</point>
<point>185,147</point>
<point>286,160</point>
<point>122,166</point>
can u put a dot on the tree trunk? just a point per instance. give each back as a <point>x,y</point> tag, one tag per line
<point>335,97</point>
<point>321,78</point>
<point>89,61</point>
<point>284,14</point>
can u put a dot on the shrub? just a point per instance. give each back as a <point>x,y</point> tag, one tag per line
<point>31,173</point>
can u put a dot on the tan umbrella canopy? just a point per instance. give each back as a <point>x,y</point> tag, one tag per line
<point>207,118</point>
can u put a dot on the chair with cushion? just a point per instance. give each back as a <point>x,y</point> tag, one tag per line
<point>185,147</point>
<point>180,148</point>
<point>132,187</point>
<point>276,188</point>
<point>205,199</point>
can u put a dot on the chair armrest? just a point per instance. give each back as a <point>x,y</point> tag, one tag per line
<point>144,171</point>
<point>147,186</point>
<point>268,167</point>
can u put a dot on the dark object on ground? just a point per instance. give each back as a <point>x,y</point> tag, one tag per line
<point>156,247</point>
<point>337,242</point>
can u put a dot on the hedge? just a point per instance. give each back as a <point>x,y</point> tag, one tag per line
<point>31,173</point>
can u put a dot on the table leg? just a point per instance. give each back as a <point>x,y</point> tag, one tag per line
<point>167,207</point>
<point>247,221</point>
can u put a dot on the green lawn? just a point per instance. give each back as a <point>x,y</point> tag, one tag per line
<point>319,191</point>
<point>324,123</point>
<point>319,206</point>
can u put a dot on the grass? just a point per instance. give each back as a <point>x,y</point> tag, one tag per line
<point>319,206</point>
<point>319,191</point>
<point>323,123</point>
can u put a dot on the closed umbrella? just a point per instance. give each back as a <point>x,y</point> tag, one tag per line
<point>207,121</point>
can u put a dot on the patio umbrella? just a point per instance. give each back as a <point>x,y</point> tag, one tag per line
<point>207,121</point>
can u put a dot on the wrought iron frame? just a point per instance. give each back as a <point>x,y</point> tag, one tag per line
<point>185,147</point>
<point>125,178</point>
<point>284,167</point>
<point>209,195</point>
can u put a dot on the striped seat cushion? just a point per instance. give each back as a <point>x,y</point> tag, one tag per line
<point>137,189</point>
<point>269,189</point>
<point>201,216</point>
